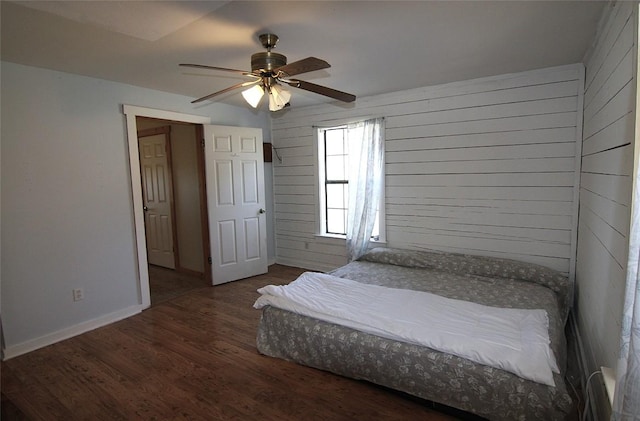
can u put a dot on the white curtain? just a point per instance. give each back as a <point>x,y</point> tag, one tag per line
<point>366,160</point>
<point>626,403</point>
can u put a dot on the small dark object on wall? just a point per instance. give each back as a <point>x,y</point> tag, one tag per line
<point>266,149</point>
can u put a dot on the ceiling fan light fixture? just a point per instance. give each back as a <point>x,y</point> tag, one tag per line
<point>253,95</point>
<point>278,98</point>
<point>268,71</point>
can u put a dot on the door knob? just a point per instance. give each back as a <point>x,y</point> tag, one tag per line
<point>144,208</point>
<point>262,211</point>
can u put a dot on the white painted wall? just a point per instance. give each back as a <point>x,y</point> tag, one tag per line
<point>66,200</point>
<point>485,166</point>
<point>605,188</point>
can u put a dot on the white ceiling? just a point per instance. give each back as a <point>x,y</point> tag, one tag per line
<point>373,47</point>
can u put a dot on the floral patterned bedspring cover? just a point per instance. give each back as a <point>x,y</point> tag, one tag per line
<point>422,371</point>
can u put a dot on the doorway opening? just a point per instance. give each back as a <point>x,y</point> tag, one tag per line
<point>175,209</point>
<point>131,113</point>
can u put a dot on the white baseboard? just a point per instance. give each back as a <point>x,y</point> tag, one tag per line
<point>60,335</point>
<point>586,367</point>
<point>609,377</point>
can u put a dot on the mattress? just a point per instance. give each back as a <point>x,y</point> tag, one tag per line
<point>422,371</point>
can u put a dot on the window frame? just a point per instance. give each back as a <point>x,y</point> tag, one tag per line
<point>326,181</point>
<point>320,181</point>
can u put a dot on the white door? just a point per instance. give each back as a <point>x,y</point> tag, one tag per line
<point>156,197</point>
<point>235,195</point>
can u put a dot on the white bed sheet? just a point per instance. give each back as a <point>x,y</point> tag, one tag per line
<point>515,340</point>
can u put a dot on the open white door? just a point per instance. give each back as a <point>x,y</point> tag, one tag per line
<point>235,195</point>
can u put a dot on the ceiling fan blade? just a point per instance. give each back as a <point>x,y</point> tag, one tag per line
<point>224,69</point>
<point>230,88</point>
<point>322,90</point>
<point>305,65</point>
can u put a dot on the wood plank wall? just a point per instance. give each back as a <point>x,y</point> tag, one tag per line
<point>605,188</point>
<point>486,166</point>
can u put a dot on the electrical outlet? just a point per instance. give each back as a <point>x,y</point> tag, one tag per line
<point>78,294</point>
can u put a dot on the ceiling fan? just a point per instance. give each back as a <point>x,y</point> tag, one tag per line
<point>269,71</point>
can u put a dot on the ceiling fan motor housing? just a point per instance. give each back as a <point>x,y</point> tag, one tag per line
<point>267,61</point>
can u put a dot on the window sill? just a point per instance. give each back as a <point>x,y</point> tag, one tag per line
<point>331,236</point>
<point>344,238</point>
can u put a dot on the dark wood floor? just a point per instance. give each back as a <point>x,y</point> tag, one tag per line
<point>192,357</point>
<point>166,284</point>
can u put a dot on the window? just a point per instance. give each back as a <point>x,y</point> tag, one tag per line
<point>336,183</point>
<point>333,176</point>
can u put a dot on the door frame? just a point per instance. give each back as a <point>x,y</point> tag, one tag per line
<point>131,112</point>
<point>204,206</point>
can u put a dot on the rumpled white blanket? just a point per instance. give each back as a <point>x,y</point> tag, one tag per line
<point>515,340</point>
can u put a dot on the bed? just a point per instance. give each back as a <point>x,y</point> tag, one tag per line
<point>423,371</point>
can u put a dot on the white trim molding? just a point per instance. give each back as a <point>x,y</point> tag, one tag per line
<point>61,335</point>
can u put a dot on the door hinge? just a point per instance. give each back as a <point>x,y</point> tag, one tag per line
<point>202,143</point>
<point>209,260</point>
